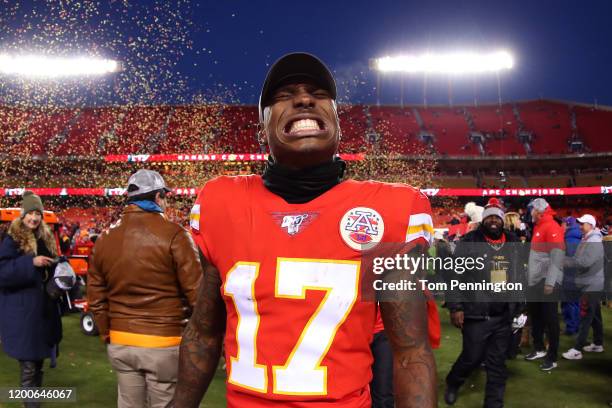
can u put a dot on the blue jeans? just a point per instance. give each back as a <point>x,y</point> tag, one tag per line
<point>571,316</point>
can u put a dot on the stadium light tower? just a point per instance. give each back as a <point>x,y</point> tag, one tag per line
<point>45,67</point>
<point>450,64</point>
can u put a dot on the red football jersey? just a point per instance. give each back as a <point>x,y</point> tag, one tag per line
<point>297,333</point>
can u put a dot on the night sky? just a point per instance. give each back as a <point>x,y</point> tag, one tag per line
<point>183,52</point>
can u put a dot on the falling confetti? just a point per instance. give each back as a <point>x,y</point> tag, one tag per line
<point>56,133</point>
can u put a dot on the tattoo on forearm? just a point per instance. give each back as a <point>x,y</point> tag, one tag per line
<point>202,340</point>
<point>406,325</point>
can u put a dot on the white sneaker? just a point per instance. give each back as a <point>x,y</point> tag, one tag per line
<point>535,355</point>
<point>572,354</point>
<point>593,348</point>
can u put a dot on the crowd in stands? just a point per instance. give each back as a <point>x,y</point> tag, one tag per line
<point>517,129</point>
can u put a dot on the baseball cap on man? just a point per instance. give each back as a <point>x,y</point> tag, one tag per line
<point>587,219</point>
<point>144,181</point>
<point>293,66</point>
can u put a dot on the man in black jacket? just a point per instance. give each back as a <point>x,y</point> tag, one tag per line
<point>485,317</point>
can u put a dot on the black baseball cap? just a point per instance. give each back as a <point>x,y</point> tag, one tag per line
<point>298,65</point>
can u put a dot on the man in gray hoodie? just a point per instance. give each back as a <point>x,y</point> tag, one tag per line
<point>544,277</point>
<point>589,260</point>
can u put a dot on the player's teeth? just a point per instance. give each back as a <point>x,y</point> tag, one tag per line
<point>304,124</point>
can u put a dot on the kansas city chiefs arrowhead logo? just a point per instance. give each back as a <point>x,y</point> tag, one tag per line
<point>362,228</point>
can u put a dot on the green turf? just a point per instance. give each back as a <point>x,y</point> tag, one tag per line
<point>575,384</point>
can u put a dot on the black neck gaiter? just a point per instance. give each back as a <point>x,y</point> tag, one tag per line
<point>302,186</point>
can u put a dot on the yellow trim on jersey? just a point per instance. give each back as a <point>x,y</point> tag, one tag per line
<point>420,225</point>
<point>418,228</point>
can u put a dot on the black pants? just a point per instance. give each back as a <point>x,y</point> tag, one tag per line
<point>544,317</point>
<point>31,376</point>
<point>514,346</point>
<point>381,387</point>
<point>591,319</point>
<point>484,340</point>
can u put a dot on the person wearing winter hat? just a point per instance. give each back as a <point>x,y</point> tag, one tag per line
<point>485,319</point>
<point>26,265</point>
<point>31,202</point>
<point>475,213</point>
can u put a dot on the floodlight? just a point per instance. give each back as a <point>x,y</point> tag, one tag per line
<point>451,63</point>
<point>40,66</point>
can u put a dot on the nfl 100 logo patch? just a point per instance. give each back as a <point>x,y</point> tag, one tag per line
<point>293,223</point>
<point>362,228</point>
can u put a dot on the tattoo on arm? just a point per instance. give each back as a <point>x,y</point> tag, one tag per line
<point>202,341</point>
<point>406,325</point>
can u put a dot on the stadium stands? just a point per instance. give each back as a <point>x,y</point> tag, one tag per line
<point>238,130</point>
<point>458,181</point>
<point>82,138</point>
<point>450,130</point>
<point>354,126</point>
<point>510,181</point>
<point>13,122</point>
<point>595,127</point>
<point>397,128</point>
<point>587,180</point>
<point>550,124</point>
<point>191,128</point>
<point>137,129</point>
<point>499,128</point>
<point>548,181</point>
<point>387,129</point>
<point>33,132</point>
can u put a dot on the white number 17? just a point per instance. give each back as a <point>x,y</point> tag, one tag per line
<point>302,373</point>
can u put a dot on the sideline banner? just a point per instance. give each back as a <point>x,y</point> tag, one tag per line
<point>432,192</point>
<point>232,157</point>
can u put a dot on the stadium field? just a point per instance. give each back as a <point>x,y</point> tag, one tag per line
<point>574,384</point>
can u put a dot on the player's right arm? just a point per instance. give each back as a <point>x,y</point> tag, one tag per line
<point>406,322</point>
<point>406,325</point>
<point>202,340</point>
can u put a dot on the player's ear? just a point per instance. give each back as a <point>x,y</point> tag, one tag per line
<point>335,107</point>
<point>262,138</point>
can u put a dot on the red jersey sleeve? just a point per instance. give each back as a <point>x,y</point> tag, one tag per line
<point>196,224</point>
<point>420,224</point>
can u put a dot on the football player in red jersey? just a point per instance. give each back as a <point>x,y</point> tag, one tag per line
<point>282,258</point>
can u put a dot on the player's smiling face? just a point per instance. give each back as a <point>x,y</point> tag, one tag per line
<point>301,125</point>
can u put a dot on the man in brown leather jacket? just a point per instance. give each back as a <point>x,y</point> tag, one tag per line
<point>141,286</point>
